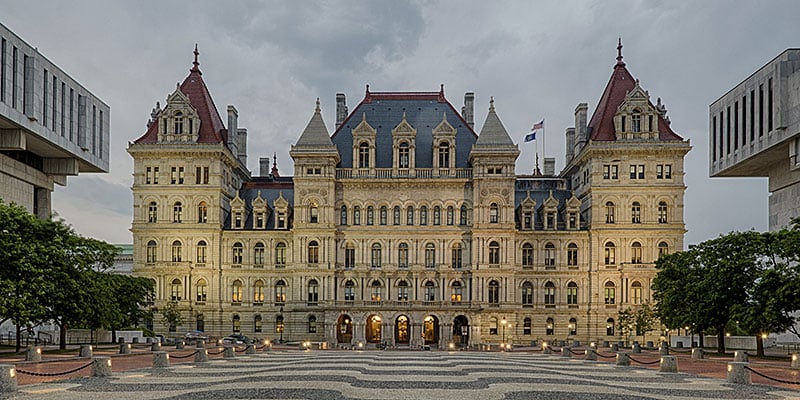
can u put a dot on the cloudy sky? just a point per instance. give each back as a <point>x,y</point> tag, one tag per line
<point>539,59</point>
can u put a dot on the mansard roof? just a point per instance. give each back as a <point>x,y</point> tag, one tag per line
<point>621,82</point>
<point>493,132</point>
<point>271,189</point>
<point>212,130</point>
<point>423,111</point>
<point>315,134</point>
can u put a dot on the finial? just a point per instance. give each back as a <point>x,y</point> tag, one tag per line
<point>441,88</point>
<point>619,52</point>
<point>317,108</point>
<point>274,171</point>
<point>195,63</point>
<point>367,89</point>
<point>491,103</point>
<point>404,115</point>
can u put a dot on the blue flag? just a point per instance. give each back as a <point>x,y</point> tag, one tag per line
<point>530,137</point>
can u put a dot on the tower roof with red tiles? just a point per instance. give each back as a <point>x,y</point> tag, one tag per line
<point>211,129</point>
<point>601,125</point>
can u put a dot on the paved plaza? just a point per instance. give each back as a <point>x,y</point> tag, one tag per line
<point>398,375</point>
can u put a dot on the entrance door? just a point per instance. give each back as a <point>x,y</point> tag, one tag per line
<point>430,329</point>
<point>401,329</point>
<point>461,331</point>
<point>373,331</point>
<point>344,329</point>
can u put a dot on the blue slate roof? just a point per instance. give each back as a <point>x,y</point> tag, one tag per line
<point>424,111</point>
<point>270,189</point>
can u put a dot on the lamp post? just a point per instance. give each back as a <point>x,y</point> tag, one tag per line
<point>283,325</point>
<point>508,339</point>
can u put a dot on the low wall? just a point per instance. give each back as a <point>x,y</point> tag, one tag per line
<point>731,342</point>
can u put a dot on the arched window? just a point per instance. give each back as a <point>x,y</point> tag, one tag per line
<point>403,156</point>
<point>430,291</point>
<point>383,215</point>
<point>572,294</point>
<point>450,215</point>
<point>527,294</point>
<point>402,291</point>
<point>258,292</point>
<point>152,212</point>
<point>463,215</point>
<point>609,212</point>
<point>152,248</point>
<point>527,254</point>
<point>437,215</point>
<point>375,293</point>
<point>549,327</point>
<point>349,291</point>
<point>280,254</point>
<point>280,292</point>
<point>549,294</point>
<point>636,253</point>
<point>526,326</point>
<point>237,324</point>
<point>258,254</point>
<point>313,213</point>
<point>610,293</point>
<point>457,256</point>
<point>430,256</point>
<point>178,123</point>
<point>549,254</point>
<point>176,288</point>
<point>444,155</point>
<point>313,292</point>
<point>610,253</point>
<point>573,326</point>
<point>396,215</point>
<point>176,251</point>
<point>201,323</point>
<point>202,213</point>
<point>663,248</point>
<point>356,215</point>
<point>236,291</point>
<point>572,254</point>
<point>610,327</point>
<point>363,155</point>
<point>493,326</point>
<point>370,215</point>
<point>662,212</point>
<point>636,213</point>
<point>312,324</point>
<point>343,216</point>
<point>456,292</point>
<point>201,289</point>
<point>494,292</point>
<point>494,213</point>
<point>313,252</point>
<point>201,252</point>
<point>494,253</point>
<point>410,215</point>
<point>423,215</point>
<point>257,324</point>
<point>349,256</point>
<point>237,254</point>
<point>177,212</point>
<point>636,292</point>
<point>402,255</point>
<point>376,255</point>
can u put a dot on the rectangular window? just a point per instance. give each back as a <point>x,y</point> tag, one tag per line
<point>180,175</point>
<point>349,258</point>
<point>728,130</point>
<point>735,125</point>
<point>63,108</point>
<point>14,72</point>
<point>100,136</point>
<point>27,85</point>
<point>714,138</point>
<point>71,114</point>
<point>721,133</point>
<point>744,120</point>
<point>633,172</point>
<point>752,115</point>
<point>205,175</point>
<point>614,171</point>
<point>198,174</point>
<point>659,171</point>
<point>45,98</point>
<point>148,175</point>
<point>3,69</point>
<point>761,110</point>
<point>155,175</point>
<point>82,122</point>
<point>769,105</point>
<point>54,105</point>
<point>173,175</point>
<point>637,171</point>
<point>606,171</point>
<point>94,129</point>
<point>667,171</point>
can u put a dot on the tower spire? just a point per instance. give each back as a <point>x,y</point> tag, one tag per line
<point>274,171</point>
<point>619,53</point>
<point>195,63</point>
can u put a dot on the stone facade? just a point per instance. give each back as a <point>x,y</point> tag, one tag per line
<point>405,226</point>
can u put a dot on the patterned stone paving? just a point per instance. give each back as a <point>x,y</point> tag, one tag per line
<point>398,375</point>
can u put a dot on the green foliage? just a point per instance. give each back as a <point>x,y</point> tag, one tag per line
<point>171,316</point>
<point>637,321</point>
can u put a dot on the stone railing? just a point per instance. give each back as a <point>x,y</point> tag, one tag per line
<point>391,173</point>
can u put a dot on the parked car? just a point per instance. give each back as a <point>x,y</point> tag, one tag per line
<point>194,336</point>
<point>236,339</point>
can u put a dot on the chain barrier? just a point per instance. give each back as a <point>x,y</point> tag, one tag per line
<point>680,351</point>
<point>261,347</point>
<point>604,356</point>
<point>579,354</point>
<point>186,356</point>
<point>216,353</point>
<point>771,378</point>
<point>236,349</point>
<point>32,373</point>
<point>642,362</point>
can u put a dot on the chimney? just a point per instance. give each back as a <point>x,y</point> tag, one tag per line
<point>242,145</point>
<point>468,110</point>
<point>581,134</point>
<point>570,144</point>
<point>341,109</point>
<point>263,166</point>
<point>233,120</point>
<point>549,166</point>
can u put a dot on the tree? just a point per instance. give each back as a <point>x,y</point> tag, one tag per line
<point>637,322</point>
<point>131,295</point>
<point>171,316</point>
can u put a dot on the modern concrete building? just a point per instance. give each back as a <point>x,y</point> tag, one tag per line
<point>51,127</point>
<point>754,130</point>
<point>406,225</point>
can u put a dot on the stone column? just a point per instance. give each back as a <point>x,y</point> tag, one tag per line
<point>229,352</point>
<point>637,348</point>
<point>125,348</point>
<point>738,374</point>
<point>740,356</point>
<point>160,359</point>
<point>101,367</point>
<point>668,364</point>
<point>614,347</point>
<point>201,344</point>
<point>623,359</point>
<point>156,346</point>
<point>795,361</point>
<point>250,349</point>
<point>179,345</point>
<point>663,350</point>
<point>697,353</point>
<point>546,349</point>
<point>85,351</point>
<point>8,378</point>
<point>201,356</point>
<point>591,354</point>
<point>33,354</point>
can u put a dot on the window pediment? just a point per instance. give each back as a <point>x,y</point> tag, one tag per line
<point>444,129</point>
<point>178,121</point>
<point>364,129</point>
<point>404,129</point>
<point>636,118</point>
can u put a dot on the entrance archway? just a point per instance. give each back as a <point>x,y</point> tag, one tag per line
<point>373,329</point>
<point>401,333</point>
<point>461,331</point>
<point>344,329</point>
<point>430,329</point>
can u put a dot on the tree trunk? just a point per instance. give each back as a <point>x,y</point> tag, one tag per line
<point>113,335</point>
<point>759,345</point>
<point>700,341</point>
<point>62,336</point>
<point>721,339</point>
<point>19,332</point>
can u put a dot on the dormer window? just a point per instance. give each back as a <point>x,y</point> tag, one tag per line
<point>444,155</point>
<point>178,123</point>
<point>363,155</point>
<point>636,121</point>
<point>403,155</point>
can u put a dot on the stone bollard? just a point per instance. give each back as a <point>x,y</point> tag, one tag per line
<point>229,352</point>
<point>135,339</point>
<point>125,348</point>
<point>250,349</point>
<point>547,350</point>
<point>591,354</point>
<point>679,344</point>
<point>33,354</point>
<point>160,359</point>
<point>156,346</point>
<point>576,343</point>
<point>623,359</point>
<point>637,348</point>
<point>201,344</point>
<point>614,347</point>
<point>795,361</point>
<point>534,343</point>
<point>149,340</point>
<point>668,364</point>
<point>605,343</point>
<point>8,378</point>
<point>649,344</point>
<point>566,352</point>
<point>101,367</point>
<point>179,345</point>
<point>738,374</point>
<point>698,353</point>
<point>663,350</point>
<point>740,356</point>
<point>121,340</point>
<point>86,350</point>
<point>201,356</point>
